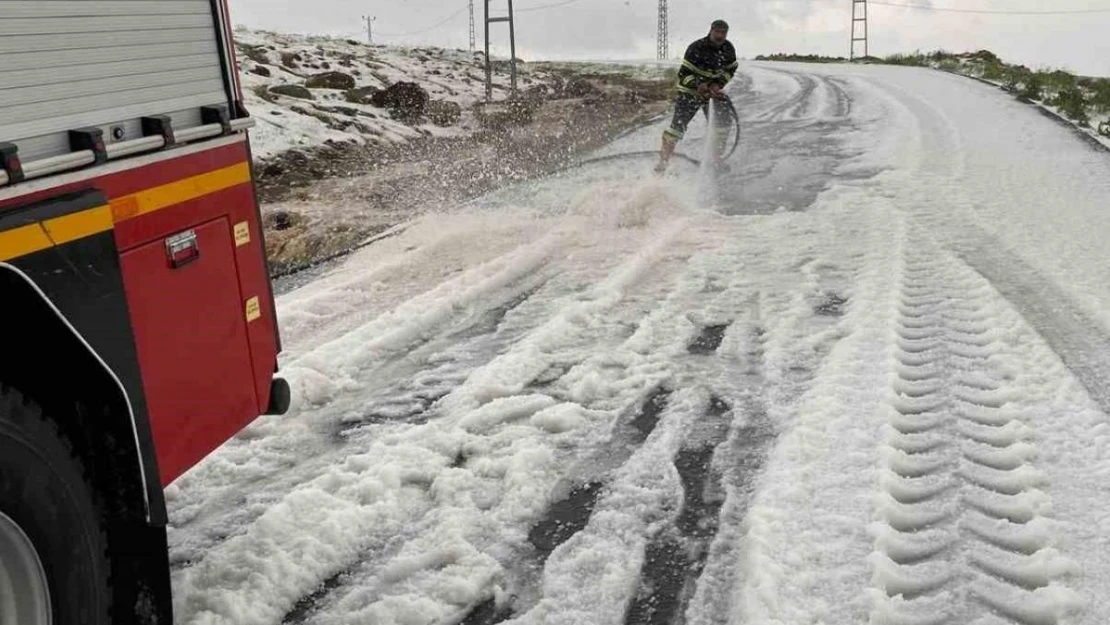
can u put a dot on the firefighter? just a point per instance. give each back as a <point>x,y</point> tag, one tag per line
<point>709,64</point>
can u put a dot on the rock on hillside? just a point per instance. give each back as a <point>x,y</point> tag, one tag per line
<point>311,91</point>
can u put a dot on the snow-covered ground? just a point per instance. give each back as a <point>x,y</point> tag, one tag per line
<point>268,60</point>
<point>860,379</point>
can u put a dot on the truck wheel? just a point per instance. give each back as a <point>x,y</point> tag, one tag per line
<point>53,567</point>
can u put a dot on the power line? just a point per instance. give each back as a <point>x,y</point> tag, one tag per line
<point>432,27</point>
<point>924,7</point>
<point>470,7</point>
<point>544,7</point>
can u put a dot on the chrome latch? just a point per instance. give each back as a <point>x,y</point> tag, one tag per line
<point>182,249</point>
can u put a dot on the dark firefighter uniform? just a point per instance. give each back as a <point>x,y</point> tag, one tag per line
<point>705,64</point>
<point>709,64</point>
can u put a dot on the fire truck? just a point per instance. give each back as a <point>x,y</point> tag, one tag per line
<point>137,324</point>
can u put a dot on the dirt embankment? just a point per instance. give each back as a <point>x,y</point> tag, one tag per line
<point>320,201</point>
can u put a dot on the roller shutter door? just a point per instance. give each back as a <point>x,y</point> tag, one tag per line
<point>67,64</point>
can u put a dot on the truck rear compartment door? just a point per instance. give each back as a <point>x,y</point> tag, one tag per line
<point>194,355</point>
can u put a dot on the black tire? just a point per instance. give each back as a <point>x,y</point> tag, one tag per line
<point>43,489</point>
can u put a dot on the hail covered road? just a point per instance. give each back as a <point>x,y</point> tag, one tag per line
<point>861,378</point>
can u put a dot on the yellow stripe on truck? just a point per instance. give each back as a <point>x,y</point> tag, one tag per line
<point>22,241</point>
<point>66,229</point>
<point>157,198</point>
<point>58,231</point>
<point>79,225</point>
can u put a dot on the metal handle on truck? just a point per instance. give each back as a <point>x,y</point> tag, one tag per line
<point>75,160</point>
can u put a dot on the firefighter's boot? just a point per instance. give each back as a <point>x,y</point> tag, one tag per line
<point>665,154</point>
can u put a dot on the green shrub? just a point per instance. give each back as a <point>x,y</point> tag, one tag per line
<point>994,71</point>
<point>1032,88</point>
<point>987,57</point>
<point>914,60</point>
<point>1073,104</point>
<point>940,56</point>
<point>1057,81</point>
<point>950,65</point>
<point>1026,84</point>
<point>1100,95</point>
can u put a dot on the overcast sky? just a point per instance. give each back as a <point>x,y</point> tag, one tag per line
<point>625,29</point>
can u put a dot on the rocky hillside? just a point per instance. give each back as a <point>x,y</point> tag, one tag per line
<point>311,91</point>
<point>353,139</point>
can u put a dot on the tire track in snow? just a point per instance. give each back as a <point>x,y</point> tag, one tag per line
<point>323,373</point>
<point>591,481</point>
<point>1071,331</point>
<point>565,517</point>
<point>796,547</point>
<point>722,452</point>
<point>481,342</point>
<point>843,99</point>
<point>228,512</point>
<point>675,557</point>
<point>818,98</point>
<point>792,107</point>
<point>709,339</point>
<point>446,364</point>
<point>552,291</point>
<point>570,513</point>
<point>806,328</point>
<point>708,463</point>
<point>224,512</point>
<point>708,596</point>
<point>588,578</point>
<point>489,397</point>
<point>966,532</point>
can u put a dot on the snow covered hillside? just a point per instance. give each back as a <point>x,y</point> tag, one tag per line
<point>306,91</point>
<point>860,379</point>
<point>351,139</point>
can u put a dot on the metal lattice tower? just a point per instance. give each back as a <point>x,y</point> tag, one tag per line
<point>663,39</point>
<point>369,28</point>
<point>512,48</point>
<point>859,28</point>
<point>473,39</point>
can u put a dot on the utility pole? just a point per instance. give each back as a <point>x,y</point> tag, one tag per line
<point>512,48</point>
<point>859,28</point>
<point>472,37</point>
<point>369,28</point>
<point>662,37</point>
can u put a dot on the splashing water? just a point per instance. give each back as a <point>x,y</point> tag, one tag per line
<point>707,179</point>
<point>628,204</point>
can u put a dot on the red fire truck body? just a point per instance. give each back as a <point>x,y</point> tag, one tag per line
<point>137,322</point>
